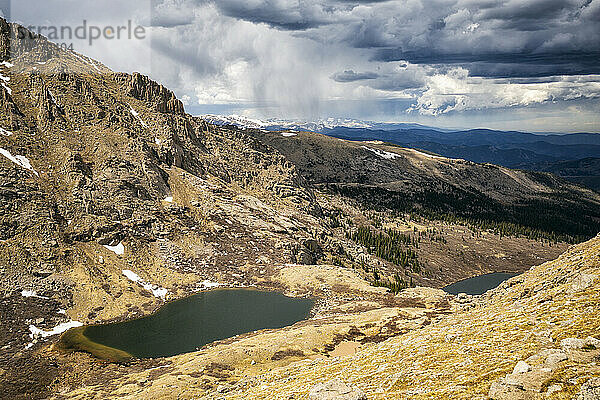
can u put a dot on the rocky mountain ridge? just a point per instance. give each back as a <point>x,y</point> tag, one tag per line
<point>412,180</point>
<point>570,156</point>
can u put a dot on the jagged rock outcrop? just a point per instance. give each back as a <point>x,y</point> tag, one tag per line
<point>142,88</point>
<point>95,153</point>
<point>4,40</point>
<point>17,42</point>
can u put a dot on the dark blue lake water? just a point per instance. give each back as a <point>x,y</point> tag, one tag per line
<point>478,284</point>
<point>187,324</point>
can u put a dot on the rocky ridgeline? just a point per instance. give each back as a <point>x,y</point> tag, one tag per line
<point>388,176</point>
<point>12,47</point>
<point>100,172</point>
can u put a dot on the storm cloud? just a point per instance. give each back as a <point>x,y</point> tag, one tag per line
<point>295,58</point>
<point>528,37</point>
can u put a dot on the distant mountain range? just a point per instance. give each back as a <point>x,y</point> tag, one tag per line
<point>319,126</point>
<point>575,156</point>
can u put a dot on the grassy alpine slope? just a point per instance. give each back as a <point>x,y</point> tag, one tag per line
<point>472,352</point>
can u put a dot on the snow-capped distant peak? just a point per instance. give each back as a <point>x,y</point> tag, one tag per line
<point>236,120</point>
<point>281,124</point>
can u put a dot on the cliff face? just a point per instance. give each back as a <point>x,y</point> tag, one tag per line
<point>103,172</point>
<point>146,90</point>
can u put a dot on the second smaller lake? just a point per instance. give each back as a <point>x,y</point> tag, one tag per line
<point>478,284</point>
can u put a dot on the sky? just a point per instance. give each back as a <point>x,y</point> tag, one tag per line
<point>529,65</point>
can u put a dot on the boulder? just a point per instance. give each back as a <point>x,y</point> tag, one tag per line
<point>580,344</point>
<point>582,282</point>
<point>521,368</point>
<point>554,358</point>
<point>553,389</point>
<point>504,391</point>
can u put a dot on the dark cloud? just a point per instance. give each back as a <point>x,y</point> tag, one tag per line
<point>171,13</point>
<point>292,15</point>
<point>395,84</point>
<point>504,65</point>
<point>286,14</point>
<point>493,38</point>
<point>460,55</point>
<point>351,76</point>
<point>399,77</point>
<point>530,10</point>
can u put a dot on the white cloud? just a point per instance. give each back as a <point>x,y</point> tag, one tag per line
<point>457,91</point>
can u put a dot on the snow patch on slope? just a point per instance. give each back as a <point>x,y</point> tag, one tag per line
<point>157,291</point>
<point>137,115</point>
<point>5,132</point>
<point>4,82</point>
<point>118,249</point>
<point>58,329</point>
<point>53,99</point>
<point>21,161</point>
<point>31,293</point>
<point>206,284</point>
<point>383,154</point>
